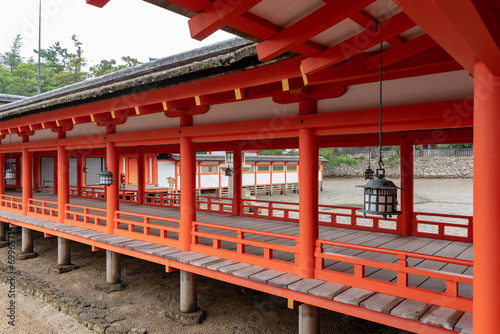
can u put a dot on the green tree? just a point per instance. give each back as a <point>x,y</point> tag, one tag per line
<point>104,67</point>
<point>25,79</point>
<point>56,58</point>
<point>129,62</point>
<point>11,59</point>
<point>271,152</point>
<point>73,71</point>
<point>5,81</point>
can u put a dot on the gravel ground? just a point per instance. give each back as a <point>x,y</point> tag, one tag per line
<point>150,291</point>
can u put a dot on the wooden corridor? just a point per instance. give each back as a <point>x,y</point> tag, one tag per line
<point>404,308</point>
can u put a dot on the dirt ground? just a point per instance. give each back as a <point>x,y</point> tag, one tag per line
<point>150,291</point>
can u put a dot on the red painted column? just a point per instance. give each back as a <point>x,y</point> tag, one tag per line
<point>308,195</point>
<point>112,195</point>
<point>2,175</point>
<point>27,178</point>
<point>141,178</point>
<point>62,182</point>
<point>486,199</point>
<point>406,158</point>
<point>237,180</point>
<point>188,186</point>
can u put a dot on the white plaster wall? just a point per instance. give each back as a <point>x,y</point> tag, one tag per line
<point>165,169</point>
<point>292,177</point>
<point>209,181</point>
<point>248,179</point>
<point>263,178</point>
<point>278,178</point>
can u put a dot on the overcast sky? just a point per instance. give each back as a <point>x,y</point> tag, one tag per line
<point>122,28</point>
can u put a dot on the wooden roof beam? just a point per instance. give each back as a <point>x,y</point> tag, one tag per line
<point>431,19</point>
<point>366,20</point>
<point>323,18</point>
<point>396,54</point>
<point>389,28</point>
<point>481,33</point>
<point>97,3</point>
<point>435,60</point>
<point>216,16</point>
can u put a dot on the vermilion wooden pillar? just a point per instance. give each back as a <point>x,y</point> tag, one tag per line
<point>407,173</point>
<point>62,181</point>
<point>112,199</point>
<point>141,178</point>
<point>188,187</point>
<point>308,195</point>
<point>27,178</point>
<point>237,180</point>
<point>2,173</point>
<point>486,200</point>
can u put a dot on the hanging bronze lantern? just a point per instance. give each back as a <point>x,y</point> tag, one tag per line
<point>105,176</point>
<point>381,197</point>
<point>10,174</point>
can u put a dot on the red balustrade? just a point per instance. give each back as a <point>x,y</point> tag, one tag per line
<point>11,203</point>
<point>86,217</point>
<point>149,228</point>
<point>241,245</point>
<point>43,209</point>
<point>214,204</point>
<point>400,287</point>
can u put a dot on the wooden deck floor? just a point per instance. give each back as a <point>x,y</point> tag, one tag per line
<point>456,320</point>
<point>444,248</point>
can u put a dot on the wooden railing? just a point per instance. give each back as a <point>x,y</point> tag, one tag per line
<point>237,244</point>
<point>155,229</point>
<point>86,217</point>
<point>42,209</point>
<point>93,192</point>
<point>433,225</point>
<point>166,200</point>
<point>329,215</point>
<point>128,196</point>
<point>11,203</point>
<point>214,204</point>
<point>400,287</point>
<point>450,227</point>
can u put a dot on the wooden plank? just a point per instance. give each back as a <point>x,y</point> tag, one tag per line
<point>234,267</point>
<point>410,309</point>
<point>304,285</point>
<point>381,302</point>
<point>266,275</point>
<point>202,261</point>
<point>164,251</point>
<point>137,245</point>
<point>328,290</point>
<point>185,257</point>
<point>151,249</point>
<point>245,273</point>
<point>353,296</point>
<point>284,280</point>
<point>441,317</point>
<point>464,324</point>
<point>217,264</point>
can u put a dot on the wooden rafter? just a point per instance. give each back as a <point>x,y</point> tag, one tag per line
<point>217,15</point>
<point>308,27</point>
<point>359,43</point>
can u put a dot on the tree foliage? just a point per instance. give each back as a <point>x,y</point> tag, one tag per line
<point>59,67</point>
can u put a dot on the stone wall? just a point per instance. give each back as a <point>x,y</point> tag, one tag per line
<point>425,168</point>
